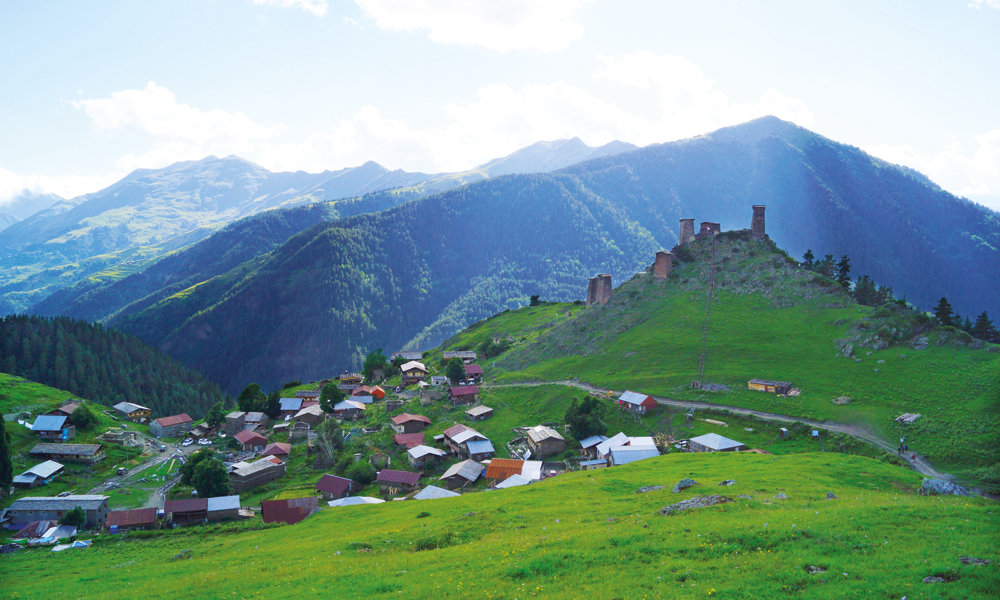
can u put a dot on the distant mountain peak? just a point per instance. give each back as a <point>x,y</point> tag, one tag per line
<point>551,155</point>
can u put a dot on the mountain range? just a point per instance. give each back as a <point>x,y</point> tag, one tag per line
<point>296,293</point>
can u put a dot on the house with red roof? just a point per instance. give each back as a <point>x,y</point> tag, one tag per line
<point>397,482</point>
<point>172,426</point>
<point>251,441</point>
<point>290,510</point>
<point>464,394</point>
<point>408,440</point>
<point>407,423</point>
<point>277,449</point>
<point>332,487</point>
<point>140,518</point>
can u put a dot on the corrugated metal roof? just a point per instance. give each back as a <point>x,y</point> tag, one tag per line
<point>364,399</point>
<point>422,451</point>
<point>769,382</point>
<point>187,505</point>
<point>45,469</point>
<point>454,430</point>
<point>254,417</point>
<point>467,469</point>
<point>132,518</point>
<point>290,404</point>
<point>407,355</point>
<point>619,439</point>
<point>354,500</point>
<point>34,529</point>
<point>475,411</point>
<point>593,441</point>
<point>596,461</point>
<point>401,477</point>
<point>407,417</point>
<point>277,449</point>
<point>409,439</point>
<point>348,405</point>
<point>502,468</point>
<point>314,410</point>
<point>633,398</point>
<point>463,390</point>
<point>174,420</point>
<point>513,481</point>
<point>246,436</point>
<point>128,407</point>
<point>432,492</point>
<point>467,435</point>
<point>622,455</point>
<point>85,501</point>
<point>26,479</point>
<point>291,510</point>
<point>532,469</point>
<point>463,354</point>
<point>480,447</point>
<point>255,467</point>
<point>223,503</point>
<point>68,408</point>
<point>67,449</point>
<point>540,433</point>
<point>473,370</point>
<point>332,484</point>
<point>48,423</point>
<point>715,441</point>
<point>413,364</point>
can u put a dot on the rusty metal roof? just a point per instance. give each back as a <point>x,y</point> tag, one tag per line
<point>247,436</point>
<point>277,449</point>
<point>173,420</point>
<point>131,518</point>
<point>289,511</point>
<point>409,439</point>
<point>185,506</point>
<point>464,390</point>
<point>332,484</point>
<point>502,468</point>
<point>407,417</point>
<point>402,477</point>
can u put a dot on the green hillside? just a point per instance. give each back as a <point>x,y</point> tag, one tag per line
<point>583,534</point>
<point>768,320</point>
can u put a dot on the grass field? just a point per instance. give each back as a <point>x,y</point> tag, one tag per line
<point>768,320</point>
<point>584,534</point>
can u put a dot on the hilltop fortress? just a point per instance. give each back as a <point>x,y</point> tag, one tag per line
<point>599,289</point>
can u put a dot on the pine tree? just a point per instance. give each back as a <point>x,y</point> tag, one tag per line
<point>944,312</point>
<point>984,329</point>
<point>844,272</point>
<point>6,468</point>
<point>809,260</point>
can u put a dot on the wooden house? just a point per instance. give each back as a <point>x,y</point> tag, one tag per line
<point>407,355</point>
<point>290,406</point>
<point>76,453</point>
<point>65,410</point>
<point>279,449</point>
<point>187,510</point>
<point>457,437</point>
<point>350,380</point>
<point>349,409</point>
<point>51,427</point>
<point>474,373</point>
<point>466,356</point>
<point>462,474</point>
<point>464,394</point>
<point>256,473</point>
<point>421,456</point>
<point>312,415</point>
<point>479,413</point>
<point>636,402</point>
<point>772,387</point>
<point>408,440</point>
<point>126,520</point>
<point>392,482</point>
<point>588,446</point>
<point>250,441</point>
<point>412,372</point>
<point>256,421</point>
<point>172,426</point>
<point>332,487</point>
<point>132,412</point>
<point>544,441</point>
<point>223,508</point>
<point>407,423</point>
<point>290,510</point>
<point>202,432</point>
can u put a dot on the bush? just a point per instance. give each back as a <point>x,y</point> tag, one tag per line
<point>75,518</point>
<point>361,472</point>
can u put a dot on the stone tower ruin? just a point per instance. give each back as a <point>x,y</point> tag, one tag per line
<point>757,224</point>
<point>664,265</point>
<point>687,231</point>
<point>599,290</point>
<point>708,229</point>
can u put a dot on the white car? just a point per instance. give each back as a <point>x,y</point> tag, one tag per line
<point>204,442</point>
<point>187,442</point>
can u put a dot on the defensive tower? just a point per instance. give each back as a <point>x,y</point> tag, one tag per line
<point>757,224</point>
<point>687,231</point>
<point>599,289</point>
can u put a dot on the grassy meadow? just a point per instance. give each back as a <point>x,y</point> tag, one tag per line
<point>581,534</point>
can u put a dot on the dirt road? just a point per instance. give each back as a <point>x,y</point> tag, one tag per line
<point>920,464</point>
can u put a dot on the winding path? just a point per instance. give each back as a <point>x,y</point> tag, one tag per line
<point>920,464</point>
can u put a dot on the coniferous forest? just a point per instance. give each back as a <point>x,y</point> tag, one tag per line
<point>103,365</point>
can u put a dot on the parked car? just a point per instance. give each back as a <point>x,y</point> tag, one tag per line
<point>122,471</point>
<point>163,448</point>
<point>187,442</point>
<point>204,442</point>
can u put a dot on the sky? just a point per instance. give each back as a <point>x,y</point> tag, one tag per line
<point>90,91</point>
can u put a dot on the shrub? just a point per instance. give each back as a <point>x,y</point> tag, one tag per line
<point>361,472</point>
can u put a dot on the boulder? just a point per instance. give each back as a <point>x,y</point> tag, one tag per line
<point>841,400</point>
<point>940,487</point>
<point>648,488</point>
<point>972,560</point>
<point>831,496</point>
<point>781,496</point>
<point>684,484</point>
<point>812,570</point>
<point>728,482</point>
<point>933,579</point>
<point>696,502</point>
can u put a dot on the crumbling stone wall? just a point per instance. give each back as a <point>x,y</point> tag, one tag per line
<point>757,224</point>
<point>599,289</point>
<point>687,231</point>
<point>663,266</point>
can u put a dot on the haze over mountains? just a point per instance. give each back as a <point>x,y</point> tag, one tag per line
<point>301,290</point>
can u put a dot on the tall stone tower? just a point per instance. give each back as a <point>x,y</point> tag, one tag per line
<point>663,266</point>
<point>599,290</point>
<point>757,224</point>
<point>687,231</point>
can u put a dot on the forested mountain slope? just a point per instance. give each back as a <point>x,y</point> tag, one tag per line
<point>103,365</point>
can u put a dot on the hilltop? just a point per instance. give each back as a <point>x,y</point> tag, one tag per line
<point>769,319</point>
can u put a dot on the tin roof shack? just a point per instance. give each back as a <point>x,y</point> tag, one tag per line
<point>588,446</point>
<point>235,422</point>
<point>412,372</point>
<point>544,442</point>
<point>290,511</point>
<point>480,450</point>
<point>474,373</point>
<point>65,410</point>
<point>349,409</point>
<point>433,492</point>
<point>223,508</point>
<point>49,427</point>
<point>290,406</point>
<point>87,454</point>
<point>479,413</point>
<point>256,421</point>
<point>332,487</point>
<point>421,456</point>
<point>467,356</point>
<point>140,518</point>
<point>256,473</point>
<point>766,385</point>
<point>500,469</point>
<point>464,394</point>
<point>202,432</point>
<point>250,441</point>
<point>133,412</point>
<point>636,402</point>
<point>407,423</point>
<point>462,474</point>
<point>439,380</point>
<point>407,355</point>
<point>279,449</point>
<point>457,436</point>
<point>25,510</point>
<point>622,455</point>
<point>37,475</point>
<point>313,415</point>
<point>590,465</point>
<point>173,426</point>
<point>713,442</point>
<point>188,510</point>
<point>397,482</point>
<point>408,440</point>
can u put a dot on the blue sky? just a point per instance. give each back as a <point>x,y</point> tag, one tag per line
<point>91,91</point>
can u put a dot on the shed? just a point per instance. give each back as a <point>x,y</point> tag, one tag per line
<point>479,413</point>
<point>408,440</point>
<point>221,508</point>
<point>251,441</point>
<point>588,446</point>
<point>463,394</point>
<point>52,427</point>
<point>622,455</point>
<point>597,463</point>
<point>636,402</point>
<point>39,474</point>
<point>766,385</point>
<point>174,425</point>
<point>432,492</point>
<point>395,482</point>
<point>480,449</point>
<point>462,474</point>
<point>291,510</point>
<point>544,441</point>
<point>188,510</point>
<point>514,480</point>
<point>474,372</point>
<point>500,469</point>
<point>713,442</point>
<point>420,456</point>
<point>439,380</point>
<point>407,423</point>
<point>332,487</point>
<point>140,518</point>
<point>355,500</point>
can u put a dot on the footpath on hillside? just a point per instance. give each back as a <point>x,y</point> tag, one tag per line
<point>919,464</point>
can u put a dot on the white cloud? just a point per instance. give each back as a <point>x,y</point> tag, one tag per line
<point>962,172</point>
<point>982,3</point>
<point>177,131</point>
<point>502,25</point>
<point>67,186</point>
<point>316,7</point>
